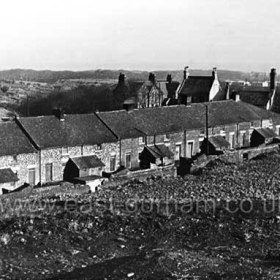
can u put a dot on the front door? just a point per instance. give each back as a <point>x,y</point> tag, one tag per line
<point>31,176</point>
<point>189,149</point>
<point>178,152</point>
<point>49,175</point>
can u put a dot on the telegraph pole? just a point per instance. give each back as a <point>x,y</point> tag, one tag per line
<point>206,126</point>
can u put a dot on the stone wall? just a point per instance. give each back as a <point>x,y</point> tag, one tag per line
<point>59,159</point>
<point>142,174</point>
<point>20,165</point>
<point>249,153</point>
<point>132,146</point>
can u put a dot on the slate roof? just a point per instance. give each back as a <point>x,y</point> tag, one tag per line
<point>162,85</point>
<point>74,130</point>
<point>7,176</point>
<point>266,132</point>
<point>13,141</point>
<point>196,86</point>
<point>256,96</point>
<point>130,100</point>
<point>219,142</point>
<point>87,162</point>
<point>172,87</point>
<point>159,151</point>
<point>276,102</point>
<point>169,102</point>
<point>229,112</point>
<point>161,120</point>
<point>121,123</point>
<point>147,86</point>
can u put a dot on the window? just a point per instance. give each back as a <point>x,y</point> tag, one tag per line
<point>190,149</point>
<point>243,139</point>
<point>128,160</point>
<point>99,146</point>
<point>178,152</point>
<point>142,140</point>
<point>112,163</point>
<point>49,172</point>
<point>65,150</point>
<point>31,176</point>
<point>231,140</point>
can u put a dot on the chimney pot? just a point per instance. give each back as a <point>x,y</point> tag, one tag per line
<point>152,78</point>
<point>214,73</point>
<point>186,72</point>
<point>169,78</point>
<point>272,79</point>
<point>121,78</point>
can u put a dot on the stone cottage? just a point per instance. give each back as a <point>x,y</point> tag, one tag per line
<point>60,137</point>
<point>18,157</point>
<point>197,89</point>
<point>150,94</point>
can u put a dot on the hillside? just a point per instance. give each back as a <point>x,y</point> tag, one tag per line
<point>52,76</point>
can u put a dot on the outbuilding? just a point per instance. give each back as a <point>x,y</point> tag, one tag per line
<point>216,145</point>
<point>85,170</point>
<point>159,155</point>
<point>263,136</point>
<point>8,180</point>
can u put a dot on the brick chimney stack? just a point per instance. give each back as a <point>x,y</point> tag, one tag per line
<point>152,78</point>
<point>214,73</point>
<point>186,72</point>
<point>272,79</point>
<point>169,78</point>
<point>122,78</point>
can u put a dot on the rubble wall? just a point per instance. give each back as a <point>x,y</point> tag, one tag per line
<point>55,156</point>
<point>20,164</point>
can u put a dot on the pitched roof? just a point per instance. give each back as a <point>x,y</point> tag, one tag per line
<point>159,151</point>
<point>229,112</point>
<point>7,176</point>
<point>257,96</point>
<point>219,142</point>
<point>168,119</point>
<point>86,162</point>
<point>196,86</point>
<point>161,120</point>
<point>266,132</point>
<point>74,130</point>
<point>13,141</point>
<point>276,101</point>
<point>172,87</point>
<point>121,123</point>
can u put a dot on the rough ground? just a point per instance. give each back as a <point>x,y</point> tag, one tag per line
<point>158,234</point>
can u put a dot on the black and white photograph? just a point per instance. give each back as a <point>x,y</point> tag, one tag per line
<point>140,140</point>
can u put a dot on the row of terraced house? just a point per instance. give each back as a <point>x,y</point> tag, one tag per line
<point>87,147</point>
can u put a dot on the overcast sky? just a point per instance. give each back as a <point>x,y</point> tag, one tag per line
<point>144,35</point>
